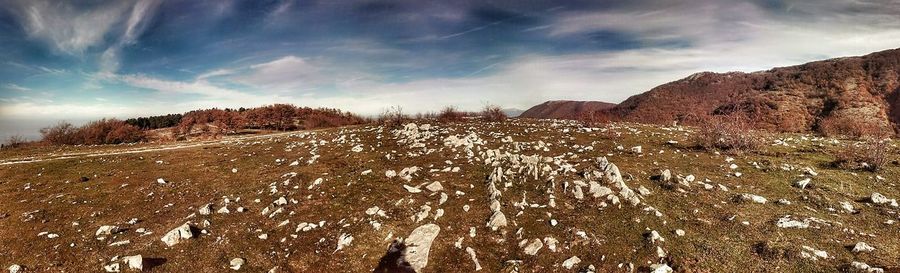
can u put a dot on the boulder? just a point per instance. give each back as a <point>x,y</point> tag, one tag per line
<point>178,235</point>
<point>419,245</point>
<point>135,262</point>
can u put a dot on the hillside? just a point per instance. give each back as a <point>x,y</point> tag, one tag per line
<point>564,109</point>
<point>860,90</point>
<point>515,196</point>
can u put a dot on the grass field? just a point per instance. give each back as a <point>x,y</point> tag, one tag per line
<point>55,199</point>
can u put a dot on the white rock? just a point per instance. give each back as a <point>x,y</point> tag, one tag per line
<point>802,183</point>
<point>160,181</point>
<point>178,235</point>
<point>570,262</point>
<point>498,219</point>
<point>343,241</point>
<point>206,209</point>
<point>106,230</point>
<point>281,201</point>
<point>434,186</point>
<point>636,149</point>
<point>661,268</point>
<point>419,245</point>
<point>533,247</point>
<point>135,262</point>
<point>113,267</point>
<point>879,199</point>
<point>236,263</point>
<point>474,259</point>
<point>787,222</point>
<point>859,267</point>
<point>754,198</point>
<point>679,232</point>
<point>16,268</point>
<point>411,189</point>
<point>862,247</point>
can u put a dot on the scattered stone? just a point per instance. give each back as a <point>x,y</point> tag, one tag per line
<point>661,268</point>
<point>571,262</point>
<point>412,189</point>
<point>236,263</point>
<point>532,247</point>
<point>862,247</point>
<point>178,235</point>
<point>106,230</point>
<point>206,209</point>
<point>787,222</point>
<point>859,267</point>
<point>135,262</point>
<point>803,183</point>
<point>434,186</point>
<point>879,199</point>
<point>419,245</point>
<point>474,259</point>
<point>751,197</point>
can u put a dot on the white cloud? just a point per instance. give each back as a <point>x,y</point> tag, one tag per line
<point>66,27</point>
<point>288,72</point>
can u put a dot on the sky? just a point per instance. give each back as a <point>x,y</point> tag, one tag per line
<point>87,59</point>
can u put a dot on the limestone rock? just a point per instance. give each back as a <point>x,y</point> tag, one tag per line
<point>419,245</point>
<point>178,235</point>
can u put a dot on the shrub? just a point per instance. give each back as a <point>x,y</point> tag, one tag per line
<point>15,141</point>
<point>870,154</point>
<point>849,127</point>
<point>393,117</point>
<point>104,131</point>
<point>493,113</point>
<point>450,114</point>
<point>730,133</point>
<point>61,133</point>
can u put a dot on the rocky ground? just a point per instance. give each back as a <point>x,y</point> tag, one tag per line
<point>517,196</point>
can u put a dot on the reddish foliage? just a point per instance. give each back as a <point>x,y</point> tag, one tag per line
<point>104,131</point>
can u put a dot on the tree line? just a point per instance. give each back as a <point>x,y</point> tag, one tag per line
<point>206,122</point>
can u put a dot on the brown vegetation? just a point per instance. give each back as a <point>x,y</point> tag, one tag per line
<point>493,113</point>
<point>850,127</point>
<point>854,96</point>
<point>450,114</point>
<point>870,155</point>
<point>202,123</point>
<point>15,141</point>
<point>104,131</point>
<point>730,133</point>
<point>393,117</point>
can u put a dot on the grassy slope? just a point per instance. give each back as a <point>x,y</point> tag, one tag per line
<point>123,187</point>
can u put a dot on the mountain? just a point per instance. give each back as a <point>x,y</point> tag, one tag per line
<point>852,92</point>
<point>564,109</point>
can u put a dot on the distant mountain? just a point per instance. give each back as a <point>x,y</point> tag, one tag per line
<point>856,91</point>
<point>564,109</point>
<point>513,112</point>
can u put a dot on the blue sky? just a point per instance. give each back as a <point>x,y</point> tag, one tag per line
<point>81,60</point>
